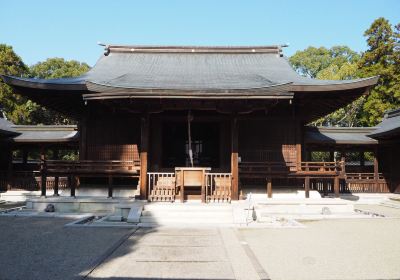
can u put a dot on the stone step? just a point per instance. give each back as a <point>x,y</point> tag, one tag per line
<point>187,207</point>
<point>186,220</point>
<point>188,214</point>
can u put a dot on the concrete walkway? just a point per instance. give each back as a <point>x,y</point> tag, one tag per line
<point>174,253</point>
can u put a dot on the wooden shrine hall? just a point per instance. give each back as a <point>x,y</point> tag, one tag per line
<point>205,123</point>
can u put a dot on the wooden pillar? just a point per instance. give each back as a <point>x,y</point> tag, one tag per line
<point>269,187</point>
<point>56,154</point>
<point>10,175</point>
<point>331,155</point>
<point>336,186</point>
<point>110,186</point>
<point>56,181</point>
<point>376,169</point>
<point>307,187</point>
<point>362,158</point>
<point>83,139</point>
<point>235,158</point>
<point>144,146</point>
<point>25,157</point>
<point>299,137</point>
<point>43,172</point>
<point>325,187</point>
<point>72,184</point>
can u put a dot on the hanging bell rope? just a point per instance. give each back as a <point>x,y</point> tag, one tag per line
<point>189,119</point>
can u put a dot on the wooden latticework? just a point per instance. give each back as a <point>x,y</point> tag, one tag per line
<point>219,187</point>
<point>122,152</point>
<point>164,189</point>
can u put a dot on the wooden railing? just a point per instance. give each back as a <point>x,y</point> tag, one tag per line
<point>161,186</point>
<point>29,181</point>
<point>255,169</point>
<point>333,167</point>
<point>353,183</point>
<point>363,176</point>
<point>261,156</point>
<point>366,183</point>
<point>90,167</point>
<point>218,187</point>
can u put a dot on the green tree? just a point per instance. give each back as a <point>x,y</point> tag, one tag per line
<point>381,58</point>
<point>16,108</point>
<point>311,61</point>
<point>54,68</point>
<point>336,63</point>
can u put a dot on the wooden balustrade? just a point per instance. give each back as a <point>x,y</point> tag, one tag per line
<point>363,176</point>
<point>366,182</point>
<point>29,181</point>
<point>259,169</point>
<point>320,167</point>
<point>218,187</point>
<point>86,167</point>
<point>353,183</point>
<point>161,186</point>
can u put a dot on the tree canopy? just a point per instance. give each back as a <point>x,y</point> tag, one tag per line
<point>382,58</point>
<point>17,108</point>
<point>312,60</point>
<point>336,63</point>
<point>54,68</point>
<point>341,63</point>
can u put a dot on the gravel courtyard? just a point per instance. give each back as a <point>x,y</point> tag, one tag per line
<point>42,248</point>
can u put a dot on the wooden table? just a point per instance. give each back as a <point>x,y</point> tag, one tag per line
<point>191,176</point>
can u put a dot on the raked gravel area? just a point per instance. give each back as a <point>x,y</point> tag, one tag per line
<point>43,248</point>
<point>330,249</point>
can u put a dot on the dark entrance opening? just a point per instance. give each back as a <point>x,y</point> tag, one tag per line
<point>205,144</point>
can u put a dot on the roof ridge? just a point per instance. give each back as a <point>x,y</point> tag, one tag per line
<point>193,49</point>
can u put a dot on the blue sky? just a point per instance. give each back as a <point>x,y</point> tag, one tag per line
<point>71,29</point>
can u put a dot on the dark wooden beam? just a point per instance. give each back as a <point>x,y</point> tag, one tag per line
<point>269,187</point>
<point>376,168</point>
<point>144,146</point>
<point>336,186</point>
<point>43,172</point>
<point>307,187</point>
<point>235,158</point>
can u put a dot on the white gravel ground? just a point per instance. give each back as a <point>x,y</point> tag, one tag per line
<point>331,249</point>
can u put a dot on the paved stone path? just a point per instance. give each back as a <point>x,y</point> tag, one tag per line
<point>42,248</point>
<point>178,253</point>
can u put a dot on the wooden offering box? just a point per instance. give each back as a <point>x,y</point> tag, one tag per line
<point>191,183</point>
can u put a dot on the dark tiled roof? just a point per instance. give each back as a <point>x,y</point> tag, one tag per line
<point>389,127</point>
<point>339,135</point>
<point>215,69</point>
<point>6,128</point>
<point>46,133</point>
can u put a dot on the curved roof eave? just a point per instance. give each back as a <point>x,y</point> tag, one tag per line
<point>333,85</point>
<point>70,84</point>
